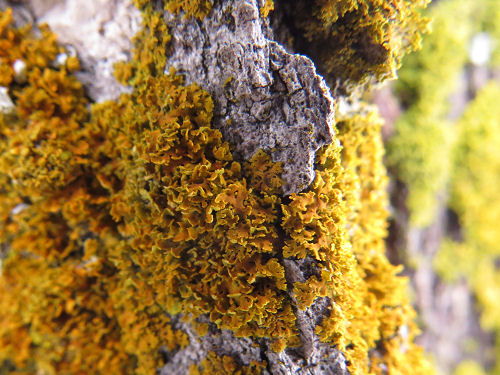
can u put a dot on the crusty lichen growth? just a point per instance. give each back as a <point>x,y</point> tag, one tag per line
<point>66,304</point>
<point>143,200</point>
<point>212,230</point>
<point>380,309</point>
<point>135,210</point>
<point>267,8</point>
<point>276,102</point>
<point>225,365</point>
<point>385,295</point>
<point>476,200</point>
<point>341,223</point>
<point>191,8</point>
<point>358,41</point>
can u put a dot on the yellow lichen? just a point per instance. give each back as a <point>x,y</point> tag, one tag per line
<point>191,8</point>
<point>73,313</point>
<point>469,367</point>
<point>421,147</point>
<point>371,309</point>
<point>225,365</point>
<point>476,201</point>
<point>136,210</point>
<point>267,8</point>
<point>362,40</point>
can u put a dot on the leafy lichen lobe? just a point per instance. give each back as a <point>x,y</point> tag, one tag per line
<point>134,211</point>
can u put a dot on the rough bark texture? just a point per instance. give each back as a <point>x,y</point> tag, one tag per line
<point>265,97</point>
<point>98,31</point>
<point>325,360</point>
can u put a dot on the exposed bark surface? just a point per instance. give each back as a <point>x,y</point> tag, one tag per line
<point>98,31</point>
<point>223,343</point>
<point>265,98</point>
<point>324,359</point>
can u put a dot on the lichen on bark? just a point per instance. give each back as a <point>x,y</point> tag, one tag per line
<point>265,98</point>
<point>159,232</point>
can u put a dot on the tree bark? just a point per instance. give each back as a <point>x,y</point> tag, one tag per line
<point>266,97</point>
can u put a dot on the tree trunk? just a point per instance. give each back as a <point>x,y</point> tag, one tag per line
<point>266,96</point>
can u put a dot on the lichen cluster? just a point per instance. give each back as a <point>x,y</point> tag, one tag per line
<point>476,201</point>
<point>420,150</point>
<point>358,41</point>
<point>448,157</point>
<point>65,302</point>
<point>191,8</point>
<point>421,147</point>
<point>224,365</point>
<point>113,219</point>
<point>384,318</point>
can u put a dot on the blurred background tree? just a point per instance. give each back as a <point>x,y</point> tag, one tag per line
<point>443,152</point>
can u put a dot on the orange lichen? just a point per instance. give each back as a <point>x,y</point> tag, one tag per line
<point>191,8</point>
<point>163,206</point>
<point>267,8</point>
<point>387,314</point>
<point>359,40</point>
<point>65,306</point>
<point>225,365</point>
<point>341,222</point>
<point>213,234</point>
<point>135,210</point>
